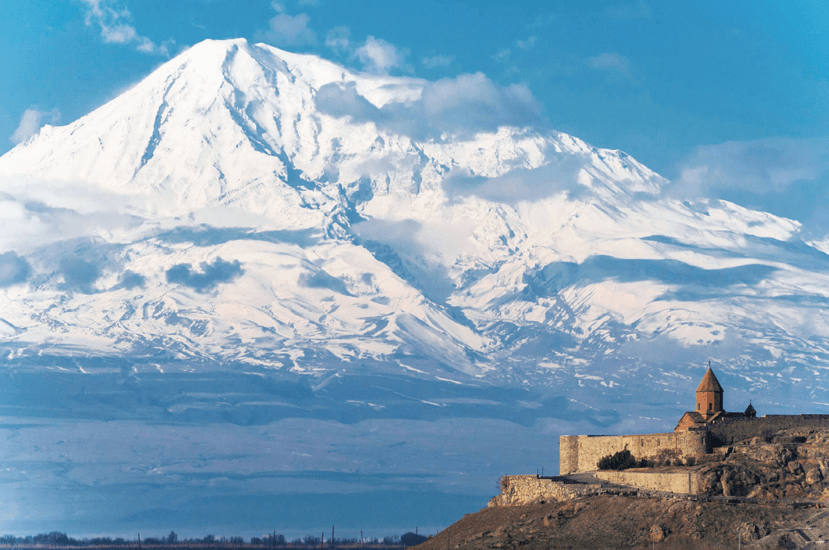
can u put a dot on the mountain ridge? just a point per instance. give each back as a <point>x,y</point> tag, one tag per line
<point>242,194</point>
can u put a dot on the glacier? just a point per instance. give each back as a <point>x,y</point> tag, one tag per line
<point>254,247</point>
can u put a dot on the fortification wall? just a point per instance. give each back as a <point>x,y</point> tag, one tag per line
<point>729,430</point>
<point>568,447</point>
<point>581,453</point>
<point>521,490</point>
<point>666,482</point>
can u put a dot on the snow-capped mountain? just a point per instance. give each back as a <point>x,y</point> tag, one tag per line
<point>253,208</point>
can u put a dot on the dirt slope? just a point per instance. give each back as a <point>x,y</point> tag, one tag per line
<point>612,522</point>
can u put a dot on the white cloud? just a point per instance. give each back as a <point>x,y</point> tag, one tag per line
<point>379,56</point>
<point>610,61</point>
<point>760,166</point>
<point>287,30</point>
<point>528,43</point>
<point>437,61</point>
<point>114,22</point>
<point>338,40</point>
<point>466,104</point>
<point>473,100</point>
<point>31,122</point>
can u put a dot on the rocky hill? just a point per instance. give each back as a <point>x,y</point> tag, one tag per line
<point>769,491</point>
<point>610,522</point>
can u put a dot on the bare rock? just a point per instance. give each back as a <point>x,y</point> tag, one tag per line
<point>794,467</point>
<point>658,533</point>
<point>813,476</point>
<point>750,531</point>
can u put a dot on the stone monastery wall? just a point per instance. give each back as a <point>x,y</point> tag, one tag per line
<point>665,482</point>
<point>728,430</point>
<point>581,453</point>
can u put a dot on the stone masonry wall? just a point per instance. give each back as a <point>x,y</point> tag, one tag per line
<point>666,482</point>
<point>568,446</point>
<point>521,490</point>
<point>729,430</point>
<point>581,453</point>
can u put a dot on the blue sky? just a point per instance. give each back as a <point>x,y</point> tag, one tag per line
<point>669,83</point>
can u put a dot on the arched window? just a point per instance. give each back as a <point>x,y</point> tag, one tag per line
<point>710,406</point>
<point>698,406</point>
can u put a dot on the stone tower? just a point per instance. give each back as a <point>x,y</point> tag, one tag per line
<point>709,395</point>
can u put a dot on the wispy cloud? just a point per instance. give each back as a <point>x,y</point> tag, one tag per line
<point>379,56</point>
<point>610,61</point>
<point>785,176</point>
<point>506,55</point>
<point>436,61</point>
<point>338,40</point>
<point>528,43</point>
<point>761,166</point>
<point>115,22</point>
<point>31,122</point>
<point>635,10</point>
<point>287,30</point>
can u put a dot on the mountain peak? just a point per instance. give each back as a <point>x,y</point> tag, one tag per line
<point>243,203</point>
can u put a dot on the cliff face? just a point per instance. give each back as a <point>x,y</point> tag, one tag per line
<point>791,464</point>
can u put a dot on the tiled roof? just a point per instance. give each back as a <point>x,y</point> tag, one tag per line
<point>709,382</point>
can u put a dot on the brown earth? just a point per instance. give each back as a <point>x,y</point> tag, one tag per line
<point>614,522</point>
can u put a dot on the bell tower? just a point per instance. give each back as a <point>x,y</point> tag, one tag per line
<point>709,395</point>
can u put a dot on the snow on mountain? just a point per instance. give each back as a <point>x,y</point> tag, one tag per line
<point>247,206</point>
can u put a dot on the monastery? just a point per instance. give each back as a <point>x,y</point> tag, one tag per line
<point>697,433</point>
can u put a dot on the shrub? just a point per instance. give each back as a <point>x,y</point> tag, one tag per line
<point>619,461</point>
<point>622,461</point>
<point>690,461</point>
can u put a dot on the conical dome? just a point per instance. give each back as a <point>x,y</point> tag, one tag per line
<point>709,383</point>
<point>750,412</point>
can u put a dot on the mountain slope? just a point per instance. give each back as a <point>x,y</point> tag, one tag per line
<point>245,205</point>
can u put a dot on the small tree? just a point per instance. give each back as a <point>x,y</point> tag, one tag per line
<point>412,539</point>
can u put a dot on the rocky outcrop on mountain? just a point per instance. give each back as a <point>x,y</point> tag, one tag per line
<point>790,464</point>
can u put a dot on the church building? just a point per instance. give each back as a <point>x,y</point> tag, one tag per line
<point>709,406</point>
